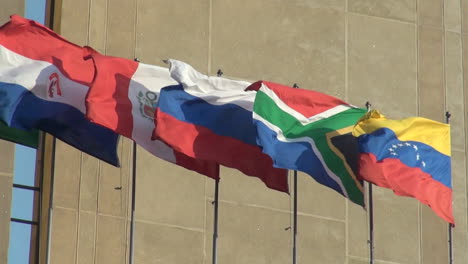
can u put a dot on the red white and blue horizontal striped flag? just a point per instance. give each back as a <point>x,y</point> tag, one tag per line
<point>43,84</point>
<point>210,118</point>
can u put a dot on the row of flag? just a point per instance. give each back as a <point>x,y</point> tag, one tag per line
<point>199,122</point>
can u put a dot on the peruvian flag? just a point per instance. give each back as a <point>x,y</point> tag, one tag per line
<point>123,97</point>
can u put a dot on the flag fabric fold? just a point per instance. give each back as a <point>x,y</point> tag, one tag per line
<point>310,132</point>
<point>43,84</point>
<point>210,118</point>
<point>124,97</point>
<point>409,156</point>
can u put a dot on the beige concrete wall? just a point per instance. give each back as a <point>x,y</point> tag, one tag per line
<point>406,57</point>
<point>9,8</point>
<point>7,154</point>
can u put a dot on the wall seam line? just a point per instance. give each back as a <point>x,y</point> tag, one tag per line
<point>383,18</point>
<point>418,54</point>
<point>78,209</point>
<point>96,222</point>
<point>206,198</point>
<point>346,95</point>
<point>465,129</point>
<point>210,32</point>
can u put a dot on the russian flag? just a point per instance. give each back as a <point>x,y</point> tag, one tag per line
<point>43,84</point>
<point>124,97</point>
<point>210,118</point>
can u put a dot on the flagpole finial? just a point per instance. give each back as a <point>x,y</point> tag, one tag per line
<point>219,73</point>
<point>295,85</point>
<point>447,116</point>
<point>368,105</point>
<point>136,59</point>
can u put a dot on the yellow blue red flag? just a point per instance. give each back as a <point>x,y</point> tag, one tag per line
<point>410,156</point>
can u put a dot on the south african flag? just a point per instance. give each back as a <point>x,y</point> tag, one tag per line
<point>311,132</point>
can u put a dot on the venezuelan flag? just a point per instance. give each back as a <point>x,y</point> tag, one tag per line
<point>410,156</point>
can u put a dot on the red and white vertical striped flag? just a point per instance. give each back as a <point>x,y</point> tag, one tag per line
<point>123,97</point>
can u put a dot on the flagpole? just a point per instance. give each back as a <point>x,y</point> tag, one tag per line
<point>215,203</point>
<point>295,220</point>
<point>371,213</point>
<point>450,226</point>
<point>215,222</point>
<point>294,253</point>
<point>371,226</point>
<point>132,217</point>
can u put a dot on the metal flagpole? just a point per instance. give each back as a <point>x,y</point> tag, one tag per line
<point>215,203</point>
<point>215,222</point>
<point>371,226</point>
<point>295,211</point>
<point>132,217</point>
<point>371,213</point>
<point>450,226</point>
<point>295,220</point>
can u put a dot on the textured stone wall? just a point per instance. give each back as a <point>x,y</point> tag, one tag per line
<point>404,56</point>
<point>7,154</point>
